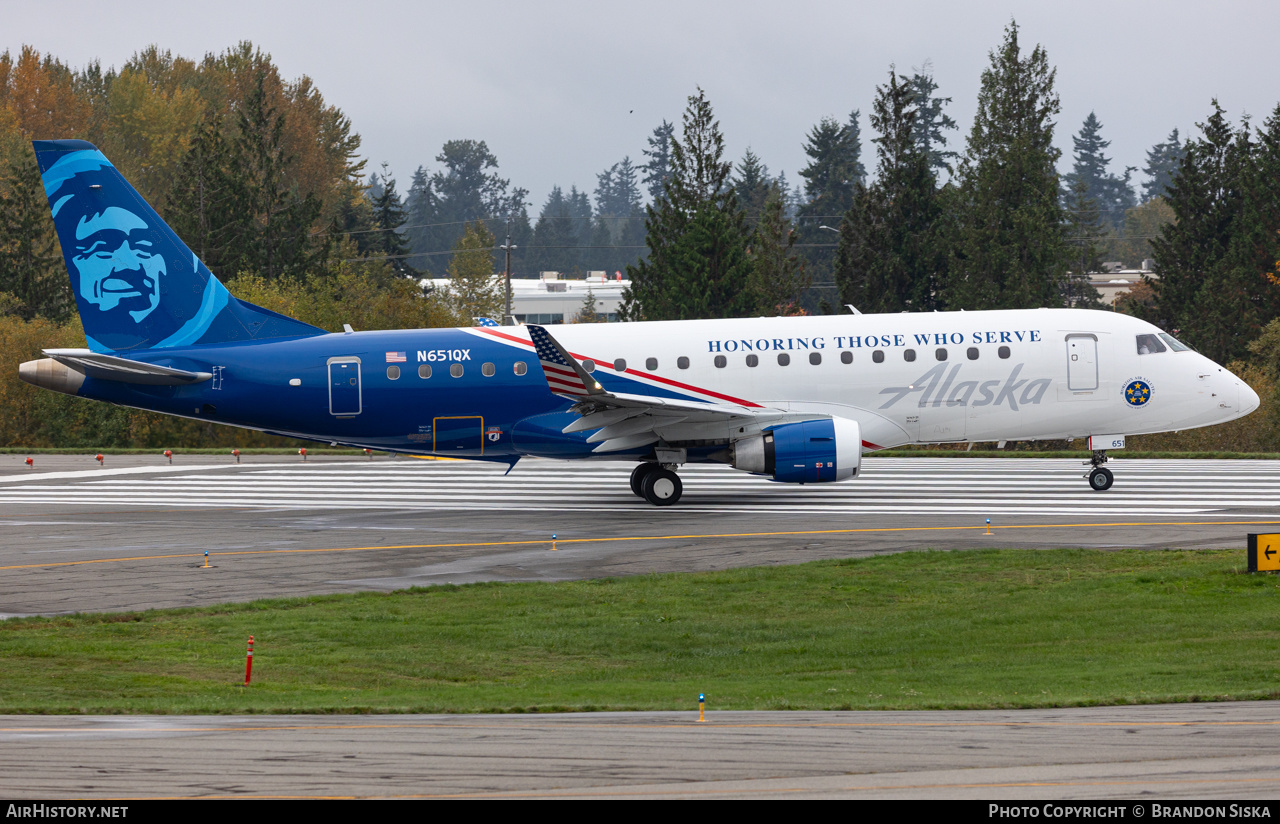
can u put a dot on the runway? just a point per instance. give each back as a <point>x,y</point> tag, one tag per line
<point>132,534</point>
<point>1209,752</point>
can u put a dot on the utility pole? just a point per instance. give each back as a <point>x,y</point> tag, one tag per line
<point>508,319</point>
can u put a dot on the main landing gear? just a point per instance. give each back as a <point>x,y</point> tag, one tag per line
<point>1100,478</point>
<point>656,484</point>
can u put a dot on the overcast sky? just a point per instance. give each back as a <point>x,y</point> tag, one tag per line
<point>562,90</point>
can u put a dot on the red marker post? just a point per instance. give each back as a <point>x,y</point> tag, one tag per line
<point>248,662</point>
<point>98,458</point>
<point>31,463</point>
<point>303,453</point>
<point>236,453</point>
<point>168,453</point>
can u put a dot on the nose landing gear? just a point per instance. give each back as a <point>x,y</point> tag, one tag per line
<point>1100,478</point>
<point>656,484</point>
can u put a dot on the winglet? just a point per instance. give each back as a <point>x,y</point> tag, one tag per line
<point>565,376</point>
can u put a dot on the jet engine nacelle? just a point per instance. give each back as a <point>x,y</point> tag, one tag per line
<point>803,452</point>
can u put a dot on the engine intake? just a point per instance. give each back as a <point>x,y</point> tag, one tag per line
<point>803,452</point>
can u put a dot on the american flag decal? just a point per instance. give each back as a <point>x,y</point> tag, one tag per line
<point>562,377</point>
<point>395,357</point>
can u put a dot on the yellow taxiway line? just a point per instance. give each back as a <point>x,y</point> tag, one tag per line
<point>706,536</point>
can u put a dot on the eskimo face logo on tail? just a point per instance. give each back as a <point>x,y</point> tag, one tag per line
<point>118,263</point>
<point>137,285</point>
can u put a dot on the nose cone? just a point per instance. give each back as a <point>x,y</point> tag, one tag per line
<point>1249,399</point>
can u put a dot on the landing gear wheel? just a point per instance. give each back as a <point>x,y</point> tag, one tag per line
<point>661,487</point>
<point>637,477</point>
<point>1100,479</point>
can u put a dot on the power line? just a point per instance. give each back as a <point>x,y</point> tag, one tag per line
<point>497,249</point>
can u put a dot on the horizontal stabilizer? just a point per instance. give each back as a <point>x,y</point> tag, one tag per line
<point>111,368</point>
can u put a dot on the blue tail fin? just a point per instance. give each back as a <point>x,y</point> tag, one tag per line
<point>136,284</point>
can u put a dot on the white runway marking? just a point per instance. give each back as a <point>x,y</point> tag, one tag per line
<point>887,485</point>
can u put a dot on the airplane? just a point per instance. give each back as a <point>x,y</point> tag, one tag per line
<point>795,399</point>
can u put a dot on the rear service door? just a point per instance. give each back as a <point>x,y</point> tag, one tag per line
<point>344,386</point>
<point>1082,363</point>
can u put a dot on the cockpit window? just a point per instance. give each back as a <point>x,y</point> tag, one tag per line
<point>1174,344</point>
<point>1149,345</point>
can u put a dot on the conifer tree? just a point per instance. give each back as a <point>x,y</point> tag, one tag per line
<point>1212,283</point>
<point>931,121</point>
<point>753,186</point>
<point>555,236</point>
<point>276,220</point>
<point>835,151</point>
<point>473,289</point>
<point>32,273</point>
<point>1008,251</point>
<point>778,278</point>
<point>388,217</point>
<point>588,312</point>
<point>1084,230</point>
<point>889,257</point>
<point>206,196</point>
<point>1162,164</point>
<point>1112,195</point>
<point>657,169</point>
<point>697,265</point>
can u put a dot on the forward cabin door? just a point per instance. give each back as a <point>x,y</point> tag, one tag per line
<point>1082,363</point>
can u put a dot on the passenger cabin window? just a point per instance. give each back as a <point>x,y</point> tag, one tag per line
<point>651,364</point>
<point>753,360</point>
<point>620,365</point>
<point>1003,352</point>
<point>721,362</point>
<point>815,358</point>
<point>909,355</point>
<point>1149,345</point>
<point>682,362</point>
<point>456,370</point>
<point>424,371</point>
<point>940,354</point>
<point>393,373</point>
<point>878,356</point>
<point>846,357</point>
<point>488,370</point>
<point>784,359</point>
<point>589,365</point>
<point>520,368</point>
<point>1174,344</point>
<point>972,353</point>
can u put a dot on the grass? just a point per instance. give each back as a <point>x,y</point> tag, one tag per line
<point>993,628</point>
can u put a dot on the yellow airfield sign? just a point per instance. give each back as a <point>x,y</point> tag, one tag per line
<point>1264,553</point>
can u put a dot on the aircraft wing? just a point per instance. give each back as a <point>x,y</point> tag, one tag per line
<point>627,421</point>
<point>112,368</point>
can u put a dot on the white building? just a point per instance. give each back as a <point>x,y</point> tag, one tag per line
<point>553,298</point>
<point>1114,281</point>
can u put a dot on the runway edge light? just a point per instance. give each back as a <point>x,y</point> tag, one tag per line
<point>1264,552</point>
<point>702,707</point>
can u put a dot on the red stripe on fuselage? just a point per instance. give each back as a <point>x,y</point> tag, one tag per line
<point>635,372</point>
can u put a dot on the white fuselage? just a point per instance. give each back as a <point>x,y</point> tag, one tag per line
<point>931,378</point>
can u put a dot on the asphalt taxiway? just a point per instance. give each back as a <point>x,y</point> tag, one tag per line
<point>133,534</point>
<point>1185,751</point>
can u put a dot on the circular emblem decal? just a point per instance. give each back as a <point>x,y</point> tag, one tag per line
<point>1137,392</point>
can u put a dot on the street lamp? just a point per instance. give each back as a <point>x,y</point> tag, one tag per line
<point>829,229</point>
